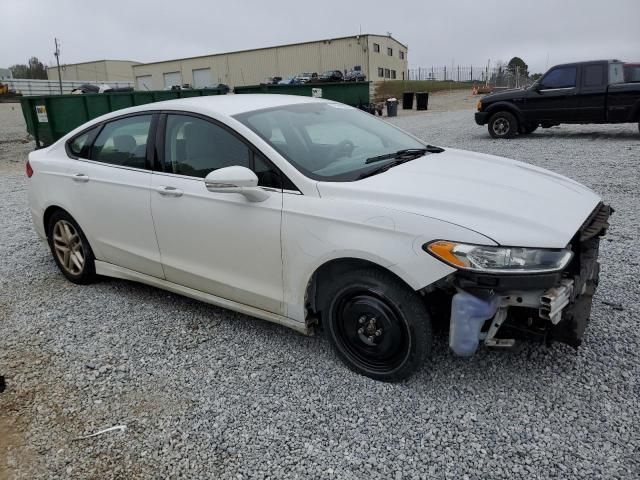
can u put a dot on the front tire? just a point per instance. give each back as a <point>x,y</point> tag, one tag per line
<point>70,248</point>
<point>377,325</point>
<point>503,125</point>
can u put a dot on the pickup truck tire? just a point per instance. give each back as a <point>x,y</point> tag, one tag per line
<point>529,128</point>
<point>376,324</point>
<point>503,125</point>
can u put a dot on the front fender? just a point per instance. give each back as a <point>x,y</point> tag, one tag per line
<point>316,231</point>
<point>508,106</point>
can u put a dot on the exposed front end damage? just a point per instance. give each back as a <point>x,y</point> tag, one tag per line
<point>497,310</point>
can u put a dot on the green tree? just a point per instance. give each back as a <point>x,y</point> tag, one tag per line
<point>34,69</point>
<point>517,65</point>
<point>536,76</point>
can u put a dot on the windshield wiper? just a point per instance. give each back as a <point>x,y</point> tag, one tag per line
<point>405,153</point>
<point>401,156</point>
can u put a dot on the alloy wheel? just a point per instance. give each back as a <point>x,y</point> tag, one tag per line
<point>68,247</point>
<point>501,126</point>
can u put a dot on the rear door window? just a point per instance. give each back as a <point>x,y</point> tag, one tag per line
<point>123,142</point>
<point>564,77</point>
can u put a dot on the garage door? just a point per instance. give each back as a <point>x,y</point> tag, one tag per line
<point>171,79</point>
<point>201,77</point>
<point>144,82</point>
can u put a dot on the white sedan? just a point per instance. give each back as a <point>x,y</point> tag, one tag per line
<point>318,216</point>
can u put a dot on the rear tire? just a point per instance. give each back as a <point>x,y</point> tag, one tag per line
<point>503,125</point>
<point>376,324</point>
<point>70,248</point>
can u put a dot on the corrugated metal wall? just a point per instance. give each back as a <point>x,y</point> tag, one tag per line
<point>255,66</point>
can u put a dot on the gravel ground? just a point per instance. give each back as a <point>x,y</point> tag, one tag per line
<point>205,392</point>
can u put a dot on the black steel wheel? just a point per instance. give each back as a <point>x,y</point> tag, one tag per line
<point>70,248</point>
<point>503,125</point>
<point>376,324</point>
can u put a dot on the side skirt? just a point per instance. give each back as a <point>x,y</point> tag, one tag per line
<point>110,270</point>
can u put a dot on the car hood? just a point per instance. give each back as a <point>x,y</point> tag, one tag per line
<point>505,95</point>
<point>511,202</point>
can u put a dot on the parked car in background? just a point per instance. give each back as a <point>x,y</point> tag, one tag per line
<point>307,77</point>
<point>316,215</point>
<point>273,80</point>
<point>331,76</point>
<point>355,76</point>
<point>290,80</point>
<point>584,92</point>
<point>103,88</point>
<point>221,86</point>
<point>632,72</point>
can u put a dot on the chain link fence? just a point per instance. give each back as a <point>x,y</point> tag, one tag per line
<point>494,78</point>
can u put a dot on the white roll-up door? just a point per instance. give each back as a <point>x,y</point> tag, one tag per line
<point>171,79</point>
<point>201,77</point>
<point>144,82</point>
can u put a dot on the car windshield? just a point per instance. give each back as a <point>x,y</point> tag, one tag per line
<point>328,141</point>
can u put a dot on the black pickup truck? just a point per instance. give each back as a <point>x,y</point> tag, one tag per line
<point>584,92</point>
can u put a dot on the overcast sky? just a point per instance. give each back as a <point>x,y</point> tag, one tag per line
<point>465,32</point>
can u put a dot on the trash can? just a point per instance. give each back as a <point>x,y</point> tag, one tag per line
<point>392,107</point>
<point>407,100</point>
<point>422,100</point>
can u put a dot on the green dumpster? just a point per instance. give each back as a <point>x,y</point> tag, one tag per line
<point>51,117</point>
<point>352,93</point>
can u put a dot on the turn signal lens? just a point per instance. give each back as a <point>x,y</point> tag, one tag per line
<point>489,259</point>
<point>444,251</point>
<point>479,105</point>
<point>28,169</point>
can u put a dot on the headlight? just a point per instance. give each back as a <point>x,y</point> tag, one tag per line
<point>481,258</point>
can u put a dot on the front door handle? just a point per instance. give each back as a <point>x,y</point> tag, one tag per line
<point>80,177</point>
<point>169,191</point>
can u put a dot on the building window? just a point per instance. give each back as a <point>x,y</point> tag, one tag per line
<point>387,73</point>
<point>380,72</point>
<point>401,55</point>
<point>390,51</point>
<point>393,74</point>
<point>376,47</point>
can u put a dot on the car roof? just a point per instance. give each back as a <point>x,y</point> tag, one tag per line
<point>228,104</point>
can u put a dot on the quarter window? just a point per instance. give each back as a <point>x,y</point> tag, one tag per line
<point>593,75</point>
<point>79,146</point>
<point>195,147</point>
<point>564,77</point>
<point>123,142</point>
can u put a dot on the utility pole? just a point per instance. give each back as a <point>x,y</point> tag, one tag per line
<point>57,54</point>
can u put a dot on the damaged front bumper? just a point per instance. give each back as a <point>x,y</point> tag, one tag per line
<point>497,310</point>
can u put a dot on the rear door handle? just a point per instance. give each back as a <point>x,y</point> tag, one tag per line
<point>169,191</point>
<point>80,177</point>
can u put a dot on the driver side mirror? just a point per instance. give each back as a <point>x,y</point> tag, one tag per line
<point>537,87</point>
<point>235,179</point>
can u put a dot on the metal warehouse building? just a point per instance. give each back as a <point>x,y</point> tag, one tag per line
<point>96,71</point>
<point>380,57</point>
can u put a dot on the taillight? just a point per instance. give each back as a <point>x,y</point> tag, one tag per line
<point>29,169</point>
